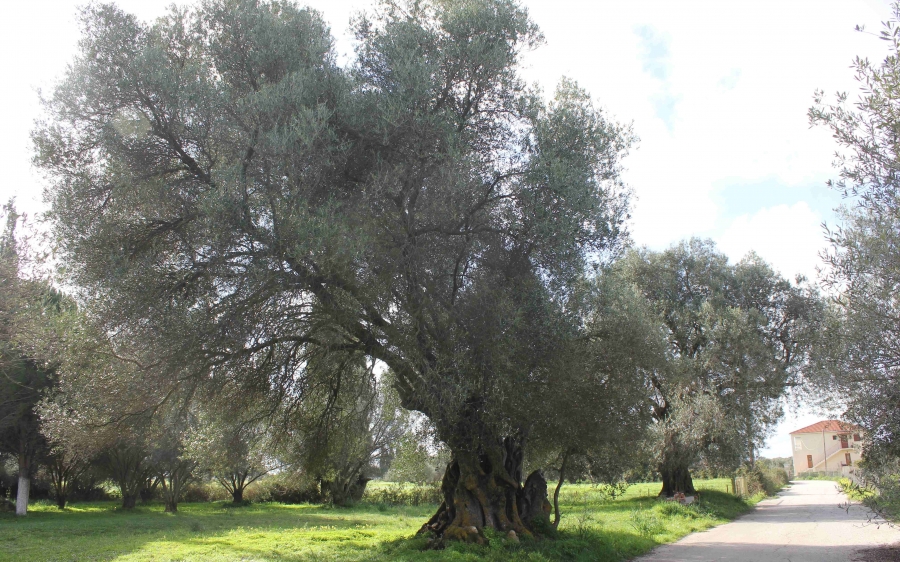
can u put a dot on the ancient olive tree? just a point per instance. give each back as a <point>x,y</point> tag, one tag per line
<point>857,364</point>
<point>239,201</point>
<point>174,468</point>
<point>738,335</point>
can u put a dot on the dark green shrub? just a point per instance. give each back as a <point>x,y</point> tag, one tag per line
<point>400,494</point>
<point>609,492</point>
<point>204,492</point>
<point>763,479</point>
<point>285,487</point>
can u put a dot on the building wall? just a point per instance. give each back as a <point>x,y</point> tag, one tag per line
<point>803,444</point>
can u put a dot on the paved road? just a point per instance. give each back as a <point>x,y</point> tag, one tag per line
<point>802,524</point>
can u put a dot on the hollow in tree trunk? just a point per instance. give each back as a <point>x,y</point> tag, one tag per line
<point>676,478</point>
<point>484,490</point>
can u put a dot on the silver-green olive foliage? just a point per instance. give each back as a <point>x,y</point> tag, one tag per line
<point>857,364</point>
<point>737,337</point>
<point>230,197</point>
<point>27,304</point>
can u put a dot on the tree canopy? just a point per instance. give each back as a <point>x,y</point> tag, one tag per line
<point>736,336</point>
<point>26,304</point>
<point>857,365</point>
<point>234,204</point>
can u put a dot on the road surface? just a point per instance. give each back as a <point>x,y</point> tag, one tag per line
<point>802,524</point>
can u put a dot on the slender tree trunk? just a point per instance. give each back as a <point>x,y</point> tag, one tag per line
<point>22,494</point>
<point>484,490</point>
<point>562,475</point>
<point>24,489</point>
<point>60,485</point>
<point>171,504</point>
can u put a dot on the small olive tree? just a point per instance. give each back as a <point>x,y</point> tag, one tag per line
<point>236,452</point>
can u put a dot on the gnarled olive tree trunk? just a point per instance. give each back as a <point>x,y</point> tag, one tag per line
<point>676,477</point>
<point>485,490</point>
<point>345,491</point>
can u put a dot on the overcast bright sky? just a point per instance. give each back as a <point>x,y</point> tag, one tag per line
<point>717,92</point>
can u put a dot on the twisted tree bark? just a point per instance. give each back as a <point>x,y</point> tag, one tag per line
<point>485,490</point>
<point>676,478</point>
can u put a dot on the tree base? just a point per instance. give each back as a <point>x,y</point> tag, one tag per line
<point>676,480</point>
<point>484,491</point>
<point>22,495</point>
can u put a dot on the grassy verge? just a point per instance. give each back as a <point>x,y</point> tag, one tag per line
<point>818,476</point>
<point>592,529</point>
<point>854,491</point>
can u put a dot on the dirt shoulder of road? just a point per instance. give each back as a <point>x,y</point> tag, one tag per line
<point>886,553</point>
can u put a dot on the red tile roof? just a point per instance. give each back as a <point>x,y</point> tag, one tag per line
<point>828,425</point>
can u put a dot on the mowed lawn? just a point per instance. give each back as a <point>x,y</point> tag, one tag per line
<point>592,529</point>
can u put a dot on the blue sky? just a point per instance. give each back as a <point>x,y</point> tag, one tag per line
<point>716,91</point>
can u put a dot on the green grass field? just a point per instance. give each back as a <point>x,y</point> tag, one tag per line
<point>591,529</point>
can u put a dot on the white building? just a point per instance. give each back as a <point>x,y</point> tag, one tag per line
<point>826,446</point>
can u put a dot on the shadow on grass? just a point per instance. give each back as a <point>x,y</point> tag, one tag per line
<point>591,530</point>
<point>593,545</point>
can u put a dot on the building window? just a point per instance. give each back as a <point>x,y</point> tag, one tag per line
<point>856,437</point>
<point>798,444</point>
<point>809,461</point>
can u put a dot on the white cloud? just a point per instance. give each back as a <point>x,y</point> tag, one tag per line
<point>743,76</point>
<point>788,237</point>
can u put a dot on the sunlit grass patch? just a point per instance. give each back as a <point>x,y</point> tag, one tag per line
<point>593,528</point>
